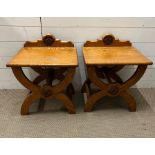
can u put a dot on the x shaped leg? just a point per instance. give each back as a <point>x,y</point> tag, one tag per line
<point>46,91</point>
<point>52,74</point>
<point>104,72</point>
<point>112,89</point>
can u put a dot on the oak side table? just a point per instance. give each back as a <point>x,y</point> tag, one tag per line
<point>52,59</point>
<point>103,59</point>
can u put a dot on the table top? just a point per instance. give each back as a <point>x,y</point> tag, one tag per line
<point>125,55</point>
<point>45,56</point>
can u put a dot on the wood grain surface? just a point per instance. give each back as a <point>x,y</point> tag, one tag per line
<point>45,56</point>
<point>114,56</point>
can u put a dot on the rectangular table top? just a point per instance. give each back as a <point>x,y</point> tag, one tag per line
<point>45,56</point>
<point>114,56</point>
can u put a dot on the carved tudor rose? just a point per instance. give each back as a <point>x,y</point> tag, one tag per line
<point>108,39</point>
<point>48,40</point>
<point>113,89</point>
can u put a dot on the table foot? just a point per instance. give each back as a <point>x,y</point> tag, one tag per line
<point>92,100</point>
<point>67,102</point>
<point>27,103</point>
<point>130,100</point>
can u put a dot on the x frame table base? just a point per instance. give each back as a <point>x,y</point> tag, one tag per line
<point>112,89</point>
<point>47,91</point>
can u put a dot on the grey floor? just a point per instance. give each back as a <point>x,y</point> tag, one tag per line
<point>109,119</point>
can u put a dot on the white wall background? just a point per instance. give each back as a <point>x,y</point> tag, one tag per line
<point>15,31</point>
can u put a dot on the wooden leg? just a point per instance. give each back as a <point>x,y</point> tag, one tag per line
<point>29,85</point>
<point>49,75</point>
<point>130,82</point>
<point>43,75</point>
<point>39,79</point>
<point>42,101</point>
<point>27,103</point>
<point>115,77</point>
<point>130,100</point>
<point>20,76</point>
<point>111,72</point>
<point>67,102</point>
<point>46,91</point>
<point>135,77</point>
<point>93,99</point>
<point>118,88</point>
<point>60,87</point>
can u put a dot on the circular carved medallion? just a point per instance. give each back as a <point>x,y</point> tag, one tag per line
<point>113,89</point>
<point>48,40</point>
<point>108,39</point>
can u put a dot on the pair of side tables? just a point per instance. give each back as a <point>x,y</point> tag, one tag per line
<point>54,59</point>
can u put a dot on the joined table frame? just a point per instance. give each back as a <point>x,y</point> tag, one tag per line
<point>47,91</point>
<point>115,86</point>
